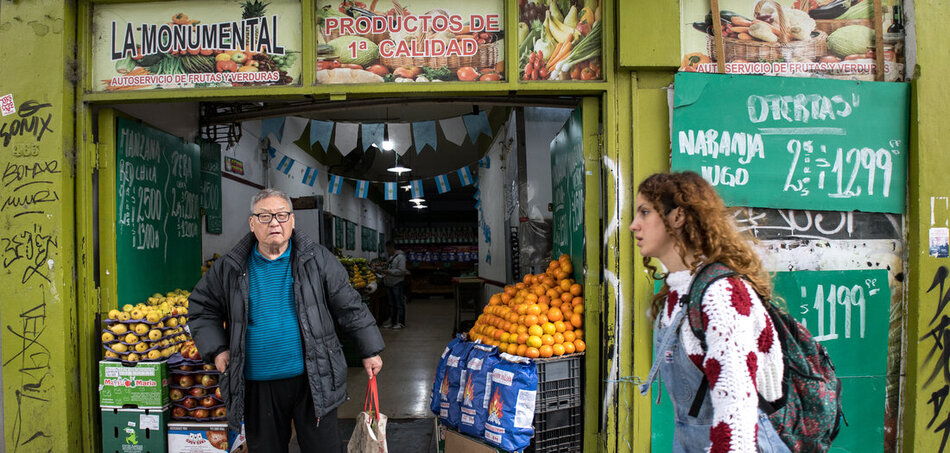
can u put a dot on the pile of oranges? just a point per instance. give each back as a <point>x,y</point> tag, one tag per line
<point>542,316</point>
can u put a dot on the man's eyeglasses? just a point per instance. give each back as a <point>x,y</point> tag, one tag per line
<point>266,217</point>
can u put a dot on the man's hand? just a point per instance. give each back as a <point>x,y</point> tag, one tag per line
<point>373,365</point>
<point>222,360</point>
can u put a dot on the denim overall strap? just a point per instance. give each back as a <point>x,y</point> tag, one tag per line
<point>664,345</point>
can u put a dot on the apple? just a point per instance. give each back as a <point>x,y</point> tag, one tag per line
<point>217,393</point>
<point>208,367</point>
<point>190,403</point>
<point>220,412</point>
<point>208,401</point>
<point>197,392</point>
<point>179,412</point>
<point>201,413</point>
<point>186,368</point>
<point>176,394</point>
<point>186,381</point>
<point>208,380</point>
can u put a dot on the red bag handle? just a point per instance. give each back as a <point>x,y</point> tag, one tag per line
<point>371,390</point>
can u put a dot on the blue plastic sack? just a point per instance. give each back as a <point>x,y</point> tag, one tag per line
<point>514,389</point>
<point>449,396</point>
<point>476,386</point>
<point>437,383</point>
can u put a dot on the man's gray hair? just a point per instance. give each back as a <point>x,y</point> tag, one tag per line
<point>269,193</point>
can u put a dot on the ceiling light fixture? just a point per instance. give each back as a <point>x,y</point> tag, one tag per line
<point>399,169</point>
<point>417,200</point>
<point>407,187</point>
<point>420,206</point>
<point>388,144</point>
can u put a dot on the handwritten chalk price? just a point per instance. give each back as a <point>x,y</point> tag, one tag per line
<point>808,160</point>
<point>850,300</point>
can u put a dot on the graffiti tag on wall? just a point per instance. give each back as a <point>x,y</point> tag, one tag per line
<point>937,361</point>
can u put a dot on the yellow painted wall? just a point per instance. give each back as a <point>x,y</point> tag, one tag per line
<point>37,287</point>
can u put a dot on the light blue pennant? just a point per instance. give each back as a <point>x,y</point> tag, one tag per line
<point>391,190</point>
<point>362,188</point>
<point>273,125</point>
<point>465,176</point>
<point>320,132</point>
<point>484,162</point>
<point>336,184</point>
<point>477,125</point>
<point>372,133</point>
<point>478,204</point>
<point>310,176</point>
<point>417,188</point>
<point>478,194</point>
<point>272,151</point>
<point>423,133</point>
<point>442,183</point>
<point>285,165</point>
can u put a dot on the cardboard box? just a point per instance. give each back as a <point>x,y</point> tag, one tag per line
<point>194,437</point>
<point>455,442</point>
<point>143,385</point>
<point>127,430</point>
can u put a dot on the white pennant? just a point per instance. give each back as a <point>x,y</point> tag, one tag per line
<point>401,136</point>
<point>293,127</point>
<point>454,130</point>
<point>345,138</point>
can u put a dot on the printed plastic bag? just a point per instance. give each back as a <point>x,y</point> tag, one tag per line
<point>475,389</point>
<point>449,395</point>
<point>369,436</point>
<point>436,398</point>
<point>510,421</point>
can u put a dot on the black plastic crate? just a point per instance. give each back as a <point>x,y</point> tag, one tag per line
<point>560,383</point>
<point>558,431</point>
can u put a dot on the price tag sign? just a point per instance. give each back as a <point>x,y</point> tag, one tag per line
<point>794,142</point>
<point>7,107</point>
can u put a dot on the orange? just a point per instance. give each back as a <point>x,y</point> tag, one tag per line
<point>568,326</point>
<point>535,330</point>
<point>577,301</point>
<point>513,348</point>
<point>558,337</point>
<point>560,326</point>
<point>532,353</point>
<point>503,337</point>
<point>513,327</point>
<point>533,309</point>
<point>548,328</point>
<point>531,298</point>
<point>565,285</point>
<point>560,275</point>
<point>505,298</point>
<point>579,345</point>
<point>495,299</point>
<point>579,309</point>
<point>519,286</point>
<point>542,318</point>
<point>530,320</point>
<point>513,317</point>
<point>547,339</point>
<point>522,338</point>
<point>552,293</point>
<point>503,346</point>
<point>576,289</point>
<point>555,314</point>
<point>510,291</point>
<point>534,341</point>
<point>544,308</point>
<point>567,267</point>
<point>544,299</point>
<point>569,336</point>
<point>522,309</point>
<point>558,349</point>
<point>569,347</point>
<point>546,351</point>
<point>554,265</point>
<point>523,328</point>
<point>538,290</point>
<point>566,296</point>
<point>528,278</point>
<point>498,333</point>
<point>579,333</point>
<point>522,348</point>
<point>577,320</point>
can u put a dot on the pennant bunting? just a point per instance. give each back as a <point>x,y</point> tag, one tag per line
<point>484,162</point>
<point>442,183</point>
<point>391,190</point>
<point>272,151</point>
<point>424,134</point>
<point>417,189</point>
<point>362,188</point>
<point>453,129</point>
<point>401,136</point>
<point>478,194</point>
<point>310,176</point>
<point>273,126</point>
<point>465,176</point>
<point>294,127</point>
<point>321,132</point>
<point>285,165</point>
<point>336,184</point>
<point>346,135</point>
<point>478,204</point>
<point>477,125</point>
<point>372,134</point>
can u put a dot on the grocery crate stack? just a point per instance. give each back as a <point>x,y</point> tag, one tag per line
<point>193,389</point>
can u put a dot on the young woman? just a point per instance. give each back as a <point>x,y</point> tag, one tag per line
<point>682,222</point>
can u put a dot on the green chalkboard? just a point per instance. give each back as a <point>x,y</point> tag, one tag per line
<point>211,185</point>
<point>350,235</point>
<point>381,245</point>
<point>848,311</point>
<point>567,181</point>
<point>799,143</point>
<point>367,239</point>
<point>339,232</point>
<point>158,217</point>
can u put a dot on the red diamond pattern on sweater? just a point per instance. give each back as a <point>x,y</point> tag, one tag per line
<point>721,437</point>
<point>740,297</point>
<point>765,337</point>
<point>752,361</point>
<point>712,368</point>
<point>671,299</point>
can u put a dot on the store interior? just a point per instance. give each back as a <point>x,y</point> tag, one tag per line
<point>497,226</point>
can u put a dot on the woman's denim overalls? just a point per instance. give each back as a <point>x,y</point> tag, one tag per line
<point>682,378</point>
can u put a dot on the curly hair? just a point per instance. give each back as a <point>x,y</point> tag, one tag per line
<point>708,230</point>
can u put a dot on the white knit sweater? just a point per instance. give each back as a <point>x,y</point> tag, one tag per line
<point>743,355</point>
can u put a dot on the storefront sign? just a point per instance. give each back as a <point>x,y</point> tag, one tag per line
<point>830,38</point>
<point>213,43</point>
<point>792,142</point>
<point>560,40</point>
<point>386,42</point>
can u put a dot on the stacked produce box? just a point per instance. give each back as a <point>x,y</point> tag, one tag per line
<point>198,414</point>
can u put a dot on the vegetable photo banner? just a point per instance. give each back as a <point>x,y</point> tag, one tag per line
<point>560,40</point>
<point>182,44</point>
<point>427,41</point>
<point>833,38</point>
<point>794,143</point>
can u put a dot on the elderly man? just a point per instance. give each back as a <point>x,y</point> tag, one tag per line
<point>264,314</point>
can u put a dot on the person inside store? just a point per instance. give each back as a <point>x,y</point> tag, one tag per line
<point>264,315</point>
<point>394,280</point>
<point>681,221</point>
